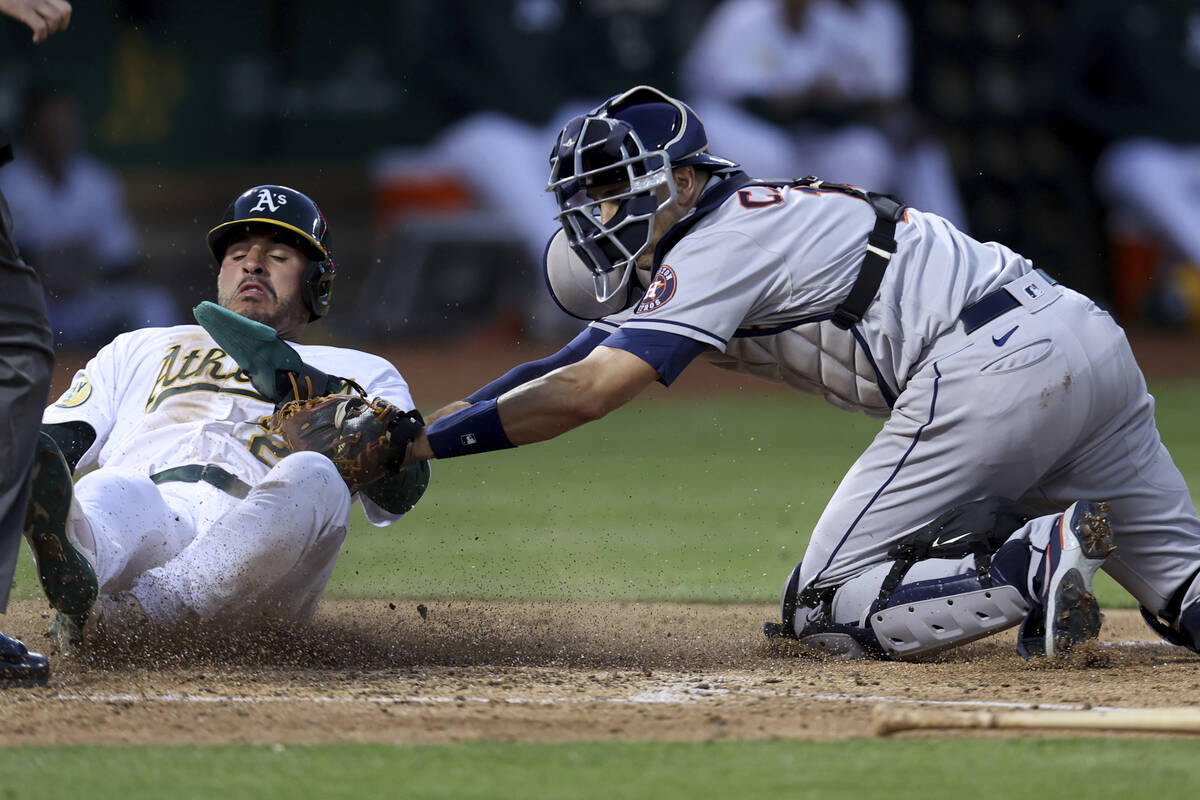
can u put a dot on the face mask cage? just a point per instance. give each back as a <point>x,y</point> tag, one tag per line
<point>599,161</point>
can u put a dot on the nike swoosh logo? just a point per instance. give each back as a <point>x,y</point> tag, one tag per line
<point>953,539</point>
<point>999,341</point>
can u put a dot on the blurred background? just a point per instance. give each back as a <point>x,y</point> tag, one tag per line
<point>1069,131</point>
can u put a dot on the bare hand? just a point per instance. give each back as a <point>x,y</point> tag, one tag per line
<point>44,17</point>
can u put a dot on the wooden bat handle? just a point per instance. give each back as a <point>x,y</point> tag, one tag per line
<point>1169,720</point>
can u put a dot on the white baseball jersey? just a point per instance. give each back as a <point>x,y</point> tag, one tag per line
<point>165,397</point>
<point>1043,403</point>
<point>160,398</point>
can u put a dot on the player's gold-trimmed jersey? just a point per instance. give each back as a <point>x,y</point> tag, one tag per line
<point>163,397</point>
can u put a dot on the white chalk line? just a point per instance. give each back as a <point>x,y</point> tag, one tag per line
<point>664,696</point>
<point>677,691</point>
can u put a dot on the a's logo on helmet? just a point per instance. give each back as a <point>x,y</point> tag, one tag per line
<point>268,203</point>
<point>662,289</point>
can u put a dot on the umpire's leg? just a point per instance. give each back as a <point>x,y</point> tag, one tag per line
<point>26,361</point>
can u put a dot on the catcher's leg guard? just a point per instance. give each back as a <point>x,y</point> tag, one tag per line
<point>924,617</point>
<point>876,614</point>
<point>865,618</point>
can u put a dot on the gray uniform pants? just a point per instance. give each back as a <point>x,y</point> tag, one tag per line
<point>26,361</point>
<point>1048,407</point>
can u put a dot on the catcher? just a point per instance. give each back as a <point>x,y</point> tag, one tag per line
<point>192,505</point>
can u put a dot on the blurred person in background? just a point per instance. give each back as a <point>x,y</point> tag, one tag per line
<point>72,224</point>
<point>520,78</point>
<point>26,359</point>
<point>819,87</point>
<point>1132,81</point>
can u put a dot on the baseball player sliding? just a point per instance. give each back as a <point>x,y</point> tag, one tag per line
<point>1019,445</point>
<point>193,507</point>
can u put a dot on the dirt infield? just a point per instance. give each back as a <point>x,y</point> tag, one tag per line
<point>366,672</point>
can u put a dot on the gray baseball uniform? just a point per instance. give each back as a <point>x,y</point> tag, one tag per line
<point>1042,401</point>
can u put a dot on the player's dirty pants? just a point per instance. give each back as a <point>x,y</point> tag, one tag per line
<point>190,547</point>
<point>1056,413</point>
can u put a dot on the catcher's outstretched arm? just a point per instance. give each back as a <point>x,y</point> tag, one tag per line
<point>571,396</point>
<point>540,409</point>
<point>574,351</point>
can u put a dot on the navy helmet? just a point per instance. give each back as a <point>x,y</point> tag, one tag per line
<point>285,208</point>
<point>622,151</point>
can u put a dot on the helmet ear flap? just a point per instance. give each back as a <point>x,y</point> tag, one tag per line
<point>316,290</point>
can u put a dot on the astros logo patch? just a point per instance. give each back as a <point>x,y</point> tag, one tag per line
<point>77,394</point>
<point>662,289</point>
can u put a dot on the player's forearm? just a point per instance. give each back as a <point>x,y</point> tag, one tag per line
<point>552,405</point>
<point>541,409</point>
<point>534,412</point>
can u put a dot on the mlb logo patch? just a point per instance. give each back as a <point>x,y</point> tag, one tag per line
<point>1034,290</point>
<point>662,289</point>
<point>468,439</point>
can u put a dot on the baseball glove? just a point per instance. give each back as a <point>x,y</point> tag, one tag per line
<point>365,440</point>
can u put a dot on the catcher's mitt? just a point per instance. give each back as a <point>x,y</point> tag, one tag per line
<point>365,440</point>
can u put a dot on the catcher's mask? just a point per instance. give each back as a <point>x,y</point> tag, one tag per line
<point>622,151</point>
<point>295,212</point>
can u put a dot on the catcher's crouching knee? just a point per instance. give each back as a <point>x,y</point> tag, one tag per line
<point>311,476</point>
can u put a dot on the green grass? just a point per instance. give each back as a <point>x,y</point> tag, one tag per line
<point>701,500</point>
<point>889,770</point>
<point>707,500</point>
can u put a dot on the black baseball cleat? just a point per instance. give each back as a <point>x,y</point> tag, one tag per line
<point>1065,612</point>
<point>19,668</point>
<point>64,566</point>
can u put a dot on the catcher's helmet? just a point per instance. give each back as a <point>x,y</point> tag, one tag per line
<point>629,145</point>
<point>295,212</point>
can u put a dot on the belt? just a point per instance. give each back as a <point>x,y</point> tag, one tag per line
<point>992,305</point>
<point>209,473</point>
